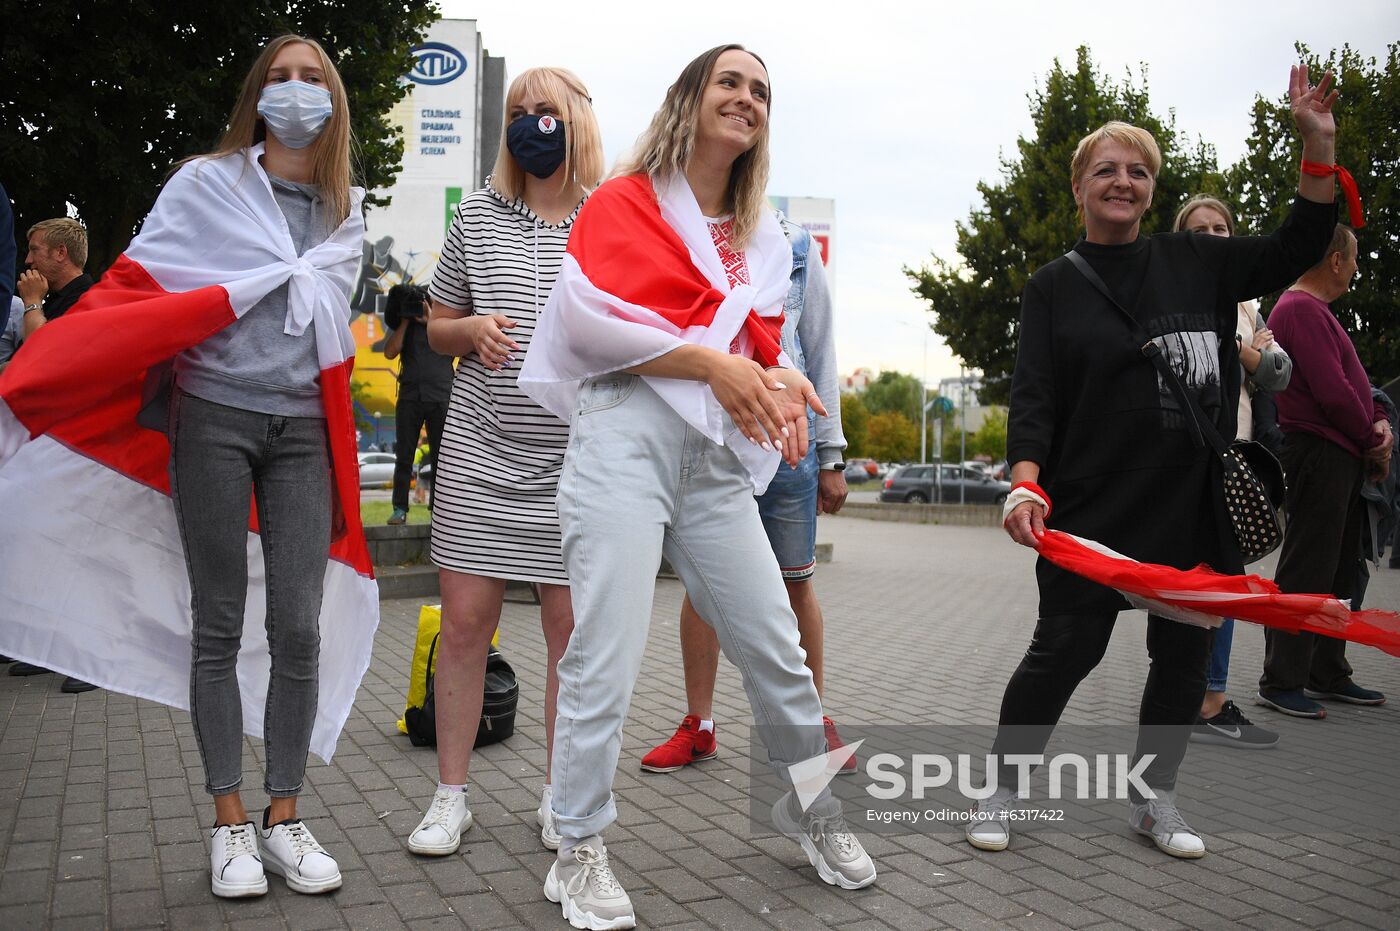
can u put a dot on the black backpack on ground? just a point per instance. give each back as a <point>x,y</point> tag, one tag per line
<point>497,706</point>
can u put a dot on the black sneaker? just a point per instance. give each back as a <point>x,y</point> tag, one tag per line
<point>1291,702</point>
<point>1350,693</point>
<point>1230,728</point>
<point>21,668</point>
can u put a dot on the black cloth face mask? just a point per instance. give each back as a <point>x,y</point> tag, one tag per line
<point>537,143</point>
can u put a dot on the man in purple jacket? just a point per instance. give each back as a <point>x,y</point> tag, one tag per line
<point>1335,436</point>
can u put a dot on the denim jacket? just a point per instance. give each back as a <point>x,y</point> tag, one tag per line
<point>809,338</point>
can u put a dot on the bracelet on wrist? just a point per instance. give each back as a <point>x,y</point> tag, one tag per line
<point>1348,183</point>
<point>1022,492</point>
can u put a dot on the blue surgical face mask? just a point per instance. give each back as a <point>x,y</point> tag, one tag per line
<point>295,112</point>
<point>537,143</point>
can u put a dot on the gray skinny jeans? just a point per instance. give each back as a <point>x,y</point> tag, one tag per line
<point>219,457</point>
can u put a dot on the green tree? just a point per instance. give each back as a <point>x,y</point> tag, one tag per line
<point>155,81</point>
<point>894,392</point>
<point>990,438</point>
<point>1263,183</point>
<point>855,423</point>
<point>892,437</point>
<point>1028,217</point>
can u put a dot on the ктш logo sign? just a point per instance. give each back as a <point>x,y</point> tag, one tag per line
<point>436,63</point>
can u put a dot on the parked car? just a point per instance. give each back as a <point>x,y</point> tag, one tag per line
<point>919,484</point>
<point>856,474</point>
<point>376,470</point>
<point>863,470</point>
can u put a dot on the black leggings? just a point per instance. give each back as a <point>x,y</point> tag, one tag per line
<point>1064,650</point>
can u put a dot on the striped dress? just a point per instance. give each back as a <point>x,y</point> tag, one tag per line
<point>498,469</point>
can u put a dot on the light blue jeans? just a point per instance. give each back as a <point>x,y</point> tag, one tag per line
<point>640,482</point>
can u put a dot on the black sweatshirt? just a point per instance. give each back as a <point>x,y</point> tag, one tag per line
<point>1115,456</point>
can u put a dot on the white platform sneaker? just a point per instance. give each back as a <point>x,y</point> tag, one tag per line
<point>234,864</point>
<point>290,851</point>
<point>589,895</point>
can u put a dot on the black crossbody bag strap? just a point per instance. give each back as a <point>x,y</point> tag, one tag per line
<point>1202,430</point>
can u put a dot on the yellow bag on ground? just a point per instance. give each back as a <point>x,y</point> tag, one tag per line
<point>429,623</point>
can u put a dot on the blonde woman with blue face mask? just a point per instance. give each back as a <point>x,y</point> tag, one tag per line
<point>498,468</point>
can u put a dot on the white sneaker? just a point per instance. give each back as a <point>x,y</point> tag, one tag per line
<point>830,846</point>
<point>1160,820</point>
<point>234,865</point>
<point>289,850</point>
<point>588,893</point>
<point>440,831</point>
<point>989,828</point>
<point>544,817</point>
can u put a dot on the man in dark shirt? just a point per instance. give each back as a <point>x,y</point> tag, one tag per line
<point>53,283</point>
<point>54,280</point>
<point>1335,435</point>
<point>425,386</point>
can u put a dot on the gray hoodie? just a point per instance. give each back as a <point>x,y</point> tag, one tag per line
<point>252,364</point>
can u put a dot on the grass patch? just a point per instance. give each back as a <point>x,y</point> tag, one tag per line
<point>376,513</point>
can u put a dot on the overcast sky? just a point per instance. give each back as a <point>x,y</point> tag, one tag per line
<point>897,110</point>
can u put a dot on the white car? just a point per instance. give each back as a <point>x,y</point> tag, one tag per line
<point>376,470</point>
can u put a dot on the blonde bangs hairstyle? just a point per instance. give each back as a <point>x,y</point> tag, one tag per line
<point>1183,216</point>
<point>330,153</point>
<point>583,153</point>
<point>665,148</point>
<point>1134,137</point>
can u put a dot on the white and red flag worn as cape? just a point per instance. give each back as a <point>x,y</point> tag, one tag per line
<point>93,580</point>
<point>1204,597</point>
<point>641,277</point>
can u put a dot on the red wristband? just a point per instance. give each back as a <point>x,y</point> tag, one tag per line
<point>1348,183</point>
<point>1032,486</point>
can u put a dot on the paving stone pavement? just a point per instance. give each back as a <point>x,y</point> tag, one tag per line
<point>102,808</point>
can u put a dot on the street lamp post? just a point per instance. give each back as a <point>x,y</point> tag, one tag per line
<point>923,405</point>
<point>962,434</point>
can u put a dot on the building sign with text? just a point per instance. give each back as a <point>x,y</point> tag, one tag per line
<point>440,118</point>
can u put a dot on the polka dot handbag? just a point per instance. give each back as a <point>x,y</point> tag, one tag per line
<point>1253,483</point>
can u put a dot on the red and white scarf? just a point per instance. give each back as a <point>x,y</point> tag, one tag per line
<point>92,578</point>
<point>641,277</point>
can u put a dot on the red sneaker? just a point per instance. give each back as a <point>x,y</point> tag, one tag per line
<point>688,745</point>
<point>833,740</point>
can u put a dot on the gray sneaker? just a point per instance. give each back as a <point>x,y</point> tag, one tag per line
<point>827,841</point>
<point>588,893</point>
<point>989,828</point>
<point>1159,819</point>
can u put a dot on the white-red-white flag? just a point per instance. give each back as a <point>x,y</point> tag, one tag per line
<point>1204,596</point>
<point>92,572</point>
